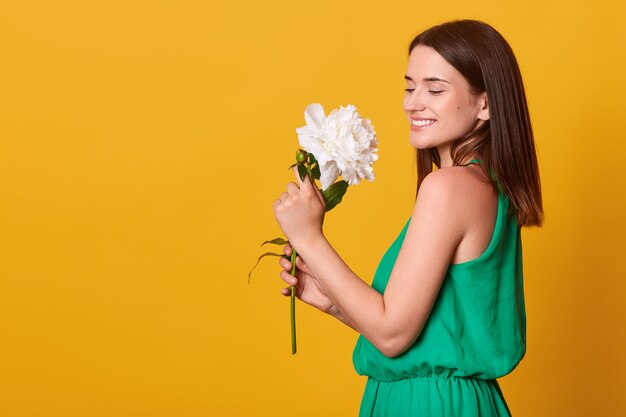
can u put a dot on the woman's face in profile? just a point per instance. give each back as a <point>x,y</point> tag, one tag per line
<point>438,103</point>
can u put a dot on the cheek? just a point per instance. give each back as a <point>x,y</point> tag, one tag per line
<point>461,108</point>
<point>405,102</point>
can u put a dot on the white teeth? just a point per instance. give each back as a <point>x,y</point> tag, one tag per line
<point>422,123</point>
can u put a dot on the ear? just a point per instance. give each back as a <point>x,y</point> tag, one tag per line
<point>483,112</point>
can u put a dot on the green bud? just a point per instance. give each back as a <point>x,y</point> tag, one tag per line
<point>301,156</point>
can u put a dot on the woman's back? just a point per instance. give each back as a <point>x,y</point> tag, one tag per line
<point>476,332</point>
<point>478,204</point>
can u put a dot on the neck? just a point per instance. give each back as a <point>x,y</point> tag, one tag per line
<point>445,159</point>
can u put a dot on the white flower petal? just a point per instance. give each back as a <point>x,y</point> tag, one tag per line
<point>312,145</point>
<point>314,115</point>
<point>328,174</point>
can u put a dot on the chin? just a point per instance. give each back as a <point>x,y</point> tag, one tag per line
<point>418,144</point>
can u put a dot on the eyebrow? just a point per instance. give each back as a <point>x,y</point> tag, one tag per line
<point>406,77</point>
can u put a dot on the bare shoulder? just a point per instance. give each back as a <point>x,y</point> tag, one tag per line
<point>465,194</point>
<point>458,185</point>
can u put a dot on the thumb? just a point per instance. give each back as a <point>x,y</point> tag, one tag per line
<point>298,179</point>
<point>319,194</point>
<point>306,182</point>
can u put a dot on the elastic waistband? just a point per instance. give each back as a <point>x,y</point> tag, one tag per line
<point>432,376</point>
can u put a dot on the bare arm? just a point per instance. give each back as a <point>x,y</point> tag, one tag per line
<point>308,288</point>
<point>394,320</point>
<point>339,316</point>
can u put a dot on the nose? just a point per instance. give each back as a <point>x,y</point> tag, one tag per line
<point>412,102</point>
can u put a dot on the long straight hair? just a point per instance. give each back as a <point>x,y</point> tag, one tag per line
<point>505,142</point>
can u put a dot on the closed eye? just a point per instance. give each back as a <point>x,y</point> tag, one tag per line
<point>433,92</point>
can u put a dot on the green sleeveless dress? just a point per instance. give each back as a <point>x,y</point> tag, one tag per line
<point>475,333</point>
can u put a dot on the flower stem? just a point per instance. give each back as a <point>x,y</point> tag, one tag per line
<point>293,302</point>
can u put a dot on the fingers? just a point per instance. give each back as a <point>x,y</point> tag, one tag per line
<point>285,274</point>
<point>300,264</point>
<point>282,198</point>
<point>286,291</point>
<point>292,188</point>
<point>286,264</point>
<point>288,278</point>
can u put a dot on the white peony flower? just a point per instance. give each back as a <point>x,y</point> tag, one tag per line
<point>343,143</point>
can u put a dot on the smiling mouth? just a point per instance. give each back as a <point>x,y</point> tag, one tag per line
<point>422,123</point>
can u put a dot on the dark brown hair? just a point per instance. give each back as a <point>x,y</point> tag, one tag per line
<point>505,142</point>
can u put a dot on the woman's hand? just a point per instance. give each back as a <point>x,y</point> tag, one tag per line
<point>308,289</point>
<point>300,211</point>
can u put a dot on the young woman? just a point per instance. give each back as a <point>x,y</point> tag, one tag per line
<point>445,314</point>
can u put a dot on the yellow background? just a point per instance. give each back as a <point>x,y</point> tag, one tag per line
<point>142,144</point>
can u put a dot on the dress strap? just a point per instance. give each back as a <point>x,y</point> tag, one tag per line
<point>478,160</point>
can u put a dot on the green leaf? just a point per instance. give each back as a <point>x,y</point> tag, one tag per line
<point>334,194</point>
<point>263,256</point>
<point>315,170</point>
<point>293,165</point>
<point>312,159</point>
<point>277,241</point>
<point>302,171</point>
